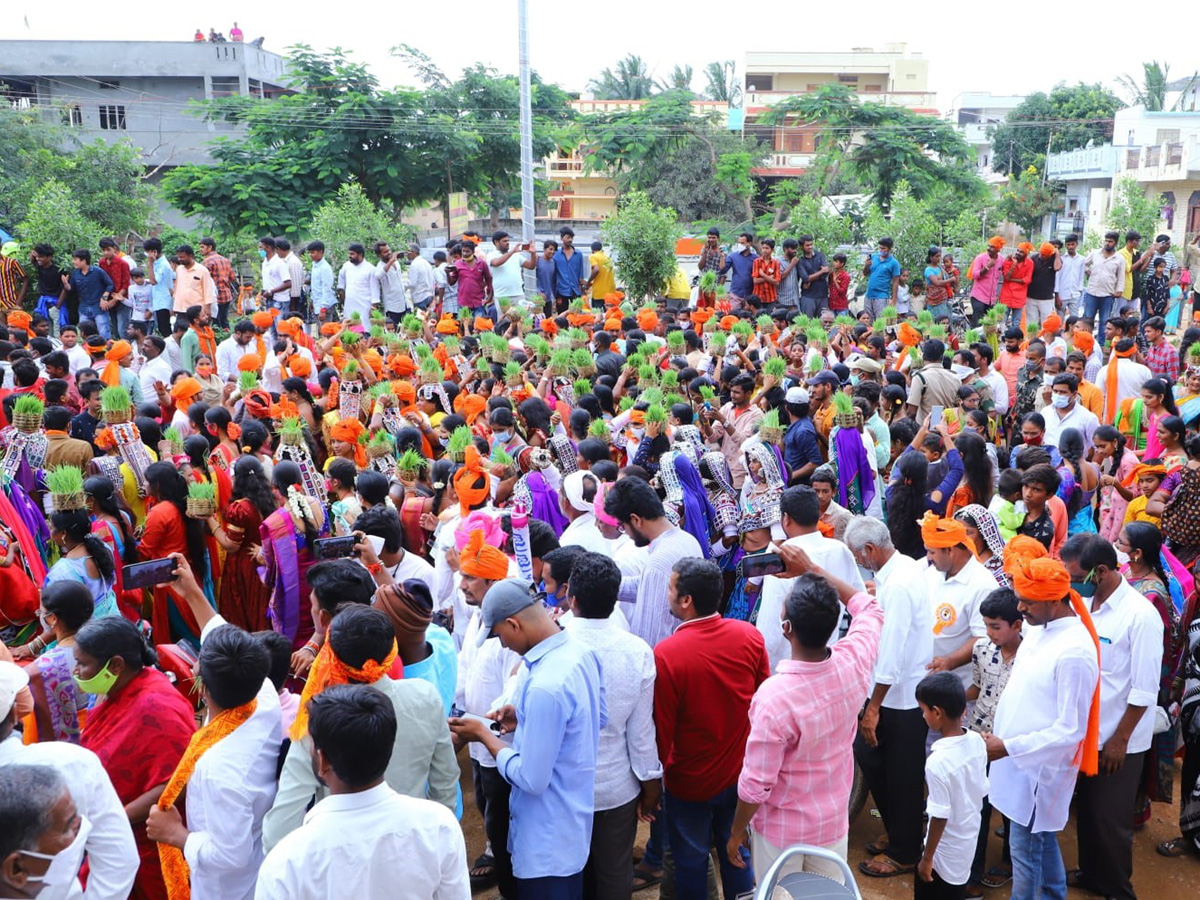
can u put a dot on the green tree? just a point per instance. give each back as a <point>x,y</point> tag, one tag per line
<point>794,212</point>
<point>643,238</point>
<point>911,225</point>
<point>1065,119</point>
<point>680,79</point>
<point>1026,200</point>
<point>684,177</point>
<point>881,145</point>
<point>350,217</point>
<point>629,81</point>
<point>1132,210</point>
<point>54,217</point>
<point>1151,91</point>
<point>721,82</point>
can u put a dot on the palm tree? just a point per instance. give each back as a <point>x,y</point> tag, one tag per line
<point>680,80</point>
<point>722,82</point>
<point>1151,93</point>
<point>631,81</point>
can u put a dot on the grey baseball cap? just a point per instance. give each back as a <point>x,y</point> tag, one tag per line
<point>503,599</point>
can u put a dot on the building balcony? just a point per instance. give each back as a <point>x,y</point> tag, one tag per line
<point>1171,161</point>
<point>918,101</point>
<point>1083,164</point>
<point>782,162</point>
<point>602,107</point>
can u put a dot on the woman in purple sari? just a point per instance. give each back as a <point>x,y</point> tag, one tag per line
<point>534,493</point>
<point>287,537</point>
<point>59,706</point>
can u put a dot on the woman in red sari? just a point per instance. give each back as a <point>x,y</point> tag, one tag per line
<point>168,530</point>
<point>201,471</point>
<point>243,597</point>
<point>139,728</point>
<point>221,426</point>
<point>113,522</point>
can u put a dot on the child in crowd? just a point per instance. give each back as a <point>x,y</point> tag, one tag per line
<point>1156,290</point>
<point>140,296</point>
<point>991,664</point>
<point>916,296</point>
<point>1038,485</point>
<point>956,776</point>
<point>839,284</point>
<point>902,294</point>
<point>1150,475</point>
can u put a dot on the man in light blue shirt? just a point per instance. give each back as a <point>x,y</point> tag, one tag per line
<point>161,275</point>
<point>321,281</point>
<point>557,713</point>
<point>883,275</point>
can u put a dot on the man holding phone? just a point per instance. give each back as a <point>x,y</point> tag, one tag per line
<point>932,385</point>
<point>508,279</point>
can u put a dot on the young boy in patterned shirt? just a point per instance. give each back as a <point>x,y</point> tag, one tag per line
<point>991,664</point>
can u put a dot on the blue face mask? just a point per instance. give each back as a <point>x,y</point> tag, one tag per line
<point>262,254</point>
<point>502,437</point>
<point>1087,587</point>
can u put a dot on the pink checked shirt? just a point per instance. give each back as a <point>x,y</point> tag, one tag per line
<point>799,762</point>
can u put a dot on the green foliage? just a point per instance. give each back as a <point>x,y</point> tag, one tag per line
<point>1151,92</point>
<point>291,426</point>
<point>247,382</point>
<point>722,83</point>
<point>460,439</point>
<point>501,457</point>
<point>842,404</point>
<point>1079,113</point>
<point>656,414</point>
<point>64,480</point>
<point>707,393</point>
<point>582,386</point>
<point>1026,200</point>
<point>775,367</point>
<point>350,216</point>
<point>770,419</point>
<point>643,237</point>
<point>1131,209</point>
<point>411,461</point>
<point>28,405</point>
<point>55,218</point>
<point>599,429</point>
<point>115,399</point>
<point>630,80</point>
<point>202,491</point>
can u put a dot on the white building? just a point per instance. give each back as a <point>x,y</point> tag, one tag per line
<point>976,114</point>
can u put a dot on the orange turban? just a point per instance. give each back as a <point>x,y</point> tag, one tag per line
<point>402,364</point>
<point>938,533</point>
<point>104,439</point>
<point>327,670</point>
<point>1020,550</point>
<point>614,299</point>
<point>263,318</point>
<point>111,374</point>
<point>727,322</point>
<point>1084,342</point>
<point>330,328</point>
<point>405,392</point>
<point>1051,323</point>
<point>1025,247</point>
<point>469,489</point>
<point>447,324</point>
<point>18,318</point>
<point>1144,469</point>
<point>300,366</point>
<point>612,325</point>
<point>250,362</point>
<point>290,326</point>
<point>184,391</point>
<point>647,319</point>
<point>997,243</point>
<point>348,431</point>
<point>473,406</point>
<point>374,360</point>
<point>1047,249</point>
<point>908,335</point>
<point>482,323</point>
<point>701,315</point>
<point>481,560</point>
<point>1047,581</point>
<point>637,416</point>
<point>258,404</point>
<point>550,327</point>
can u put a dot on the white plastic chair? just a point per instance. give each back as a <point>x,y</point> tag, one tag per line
<point>808,885</point>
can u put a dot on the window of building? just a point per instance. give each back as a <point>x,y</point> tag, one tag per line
<point>226,86</point>
<point>18,94</point>
<point>848,79</point>
<point>256,88</point>
<point>112,118</point>
<point>760,82</point>
<point>108,85</point>
<point>1166,135</point>
<point>72,115</point>
<point>872,88</point>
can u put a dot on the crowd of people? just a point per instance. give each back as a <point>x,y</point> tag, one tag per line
<point>683,562</point>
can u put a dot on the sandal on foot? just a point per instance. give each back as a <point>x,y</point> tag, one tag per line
<point>483,872</point>
<point>644,878</point>
<point>879,846</point>
<point>996,877</point>
<point>883,866</point>
<point>1174,848</point>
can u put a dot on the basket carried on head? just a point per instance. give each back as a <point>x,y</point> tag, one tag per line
<point>116,406</point>
<point>27,413</point>
<point>202,500</point>
<point>65,486</point>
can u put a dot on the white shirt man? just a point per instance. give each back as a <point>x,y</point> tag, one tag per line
<point>79,359</point>
<point>274,273</point>
<point>1074,415</point>
<point>482,673</point>
<point>955,601</point>
<point>229,351</point>
<point>368,844</point>
<point>577,498</point>
<point>273,368</point>
<point>507,280</point>
<point>229,792</point>
<point>421,281</point>
<point>391,285</point>
<point>112,853</point>
<point>152,370</point>
<point>1068,281</point>
<point>1130,378</point>
<point>361,286</point>
<point>906,642</point>
<point>999,385</point>
<point>295,267</point>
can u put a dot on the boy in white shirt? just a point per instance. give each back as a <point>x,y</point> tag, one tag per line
<point>141,296</point>
<point>956,775</point>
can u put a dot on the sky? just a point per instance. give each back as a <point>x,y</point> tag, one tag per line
<point>572,43</point>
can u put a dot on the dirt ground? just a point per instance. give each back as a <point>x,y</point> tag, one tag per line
<point>1154,876</point>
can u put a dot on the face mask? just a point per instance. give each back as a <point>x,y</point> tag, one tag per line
<point>1061,401</point>
<point>1087,587</point>
<point>445,442</point>
<point>262,254</point>
<point>203,371</point>
<point>854,380</point>
<point>1033,441</point>
<point>64,865</point>
<point>100,683</point>
<point>639,432</point>
<point>502,437</point>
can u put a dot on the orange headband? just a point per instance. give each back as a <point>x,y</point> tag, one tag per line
<point>481,560</point>
<point>328,670</point>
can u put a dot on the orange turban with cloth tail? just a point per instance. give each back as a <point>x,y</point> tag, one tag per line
<point>647,319</point>
<point>1051,323</point>
<point>1110,387</point>
<point>472,484</point>
<point>1025,247</point>
<point>908,337</point>
<point>111,374</point>
<point>348,431</point>
<point>327,670</point>
<point>185,392</point>
<point>550,327</point>
<point>938,533</point>
<point>1047,581</point>
<point>401,364</point>
<point>1021,550</point>
<point>18,318</point>
<point>300,366</point>
<point>701,315</point>
<point>997,242</point>
<point>263,319</point>
<point>405,393</point>
<point>482,323</point>
<point>447,324</point>
<point>472,407</point>
<point>727,322</point>
<point>480,559</point>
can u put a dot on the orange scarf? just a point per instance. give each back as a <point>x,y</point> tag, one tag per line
<point>174,867</point>
<point>328,670</point>
<point>208,341</point>
<point>1110,389</point>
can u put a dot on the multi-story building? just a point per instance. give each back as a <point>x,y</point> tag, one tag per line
<point>138,91</point>
<point>976,114</point>
<point>1087,177</point>
<point>1162,151</point>
<point>891,76</point>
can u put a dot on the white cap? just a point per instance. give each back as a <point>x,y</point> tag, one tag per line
<point>961,371</point>
<point>574,486</point>
<point>796,395</point>
<point>12,680</point>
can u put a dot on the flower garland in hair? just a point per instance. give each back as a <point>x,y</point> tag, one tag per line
<point>297,503</point>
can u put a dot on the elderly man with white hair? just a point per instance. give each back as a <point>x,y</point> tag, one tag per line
<point>891,744</point>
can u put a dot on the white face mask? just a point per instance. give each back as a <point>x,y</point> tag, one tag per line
<point>1060,401</point>
<point>64,865</point>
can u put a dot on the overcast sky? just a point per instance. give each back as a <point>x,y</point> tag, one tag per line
<point>970,48</point>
